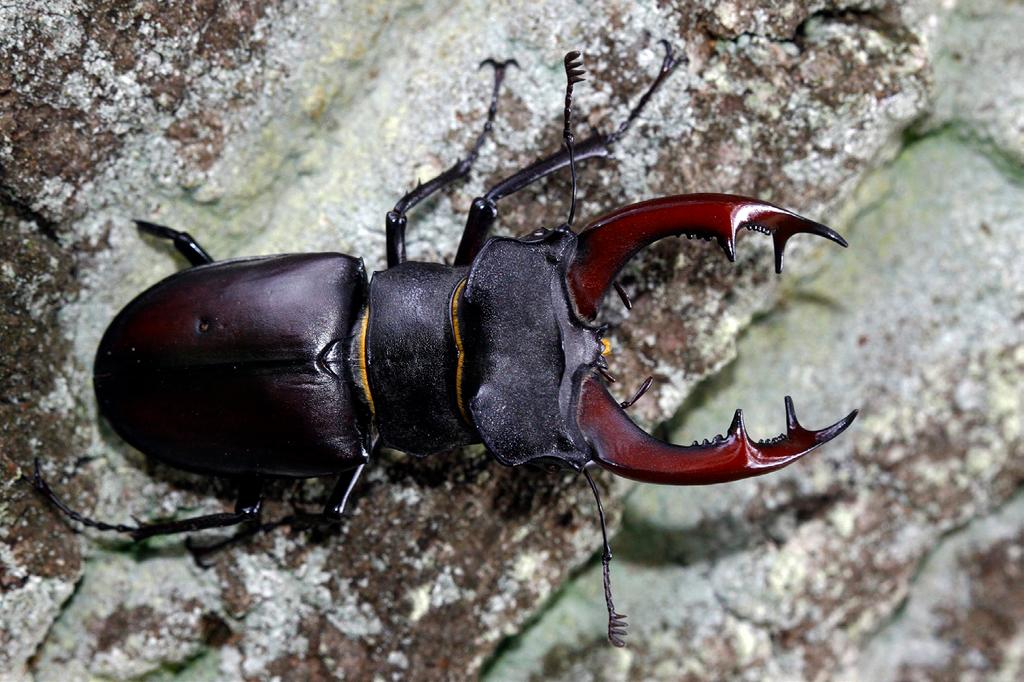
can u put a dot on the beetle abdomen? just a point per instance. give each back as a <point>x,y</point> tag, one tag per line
<point>239,367</point>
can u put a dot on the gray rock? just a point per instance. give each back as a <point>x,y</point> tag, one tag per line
<point>793,576</point>
<point>893,554</point>
<point>263,128</point>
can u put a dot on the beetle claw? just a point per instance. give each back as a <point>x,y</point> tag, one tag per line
<point>617,628</point>
<point>498,65</point>
<point>623,448</point>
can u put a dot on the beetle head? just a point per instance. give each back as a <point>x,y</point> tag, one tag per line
<point>535,357</point>
<point>527,350</point>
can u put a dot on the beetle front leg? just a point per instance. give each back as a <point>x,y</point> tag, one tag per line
<point>396,219</point>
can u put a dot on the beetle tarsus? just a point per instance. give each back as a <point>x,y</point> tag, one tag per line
<point>668,65</point>
<point>40,484</point>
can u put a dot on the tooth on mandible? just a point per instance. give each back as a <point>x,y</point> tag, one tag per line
<point>607,244</point>
<point>622,447</point>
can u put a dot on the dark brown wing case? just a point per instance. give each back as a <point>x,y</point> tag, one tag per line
<point>239,368</point>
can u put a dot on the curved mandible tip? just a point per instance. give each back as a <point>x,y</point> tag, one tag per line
<point>608,243</point>
<point>622,447</point>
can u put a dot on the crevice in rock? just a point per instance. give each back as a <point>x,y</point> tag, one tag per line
<point>941,541</point>
<point>46,227</point>
<point>883,20</point>
<point>967,134</point>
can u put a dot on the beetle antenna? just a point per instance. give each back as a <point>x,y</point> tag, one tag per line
<point>616,621</point>
<point>573,74</point>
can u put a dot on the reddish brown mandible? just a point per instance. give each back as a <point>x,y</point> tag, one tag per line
<point>603,248</point>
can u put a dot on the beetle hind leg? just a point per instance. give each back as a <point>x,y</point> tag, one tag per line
<point>183,242</point>
<point>246,509</point>
<point>333,512</point>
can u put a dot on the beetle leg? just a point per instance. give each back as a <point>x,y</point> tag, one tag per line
<point>247,508</point>
<point>250,497</point>
<point>296,519</point>
<point>396,220</point>
<point>606,244</point>
<point>484,210</point>
<point>622,447</point>
<point>183,242</point>
<point>333,512</point>
<point>336,503</point>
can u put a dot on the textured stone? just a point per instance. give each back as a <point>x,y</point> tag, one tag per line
<point>975,56</point>
<point>273,127</point>
<point>806,574</point>
<point>963,618</point>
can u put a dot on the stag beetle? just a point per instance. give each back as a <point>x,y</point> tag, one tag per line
<point>296,366</point>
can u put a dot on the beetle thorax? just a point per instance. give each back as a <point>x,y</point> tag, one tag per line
<point>405,358</point>
<point>493,353</point>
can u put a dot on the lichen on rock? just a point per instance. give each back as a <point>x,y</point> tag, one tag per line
<point>294,126</point>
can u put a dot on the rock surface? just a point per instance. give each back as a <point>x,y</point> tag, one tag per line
<point>793,576</point>
<point>269,127</point>
<point>897,553</point>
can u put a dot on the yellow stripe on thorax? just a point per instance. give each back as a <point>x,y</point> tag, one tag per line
<point>364,375</point>
<point>460,360</point>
